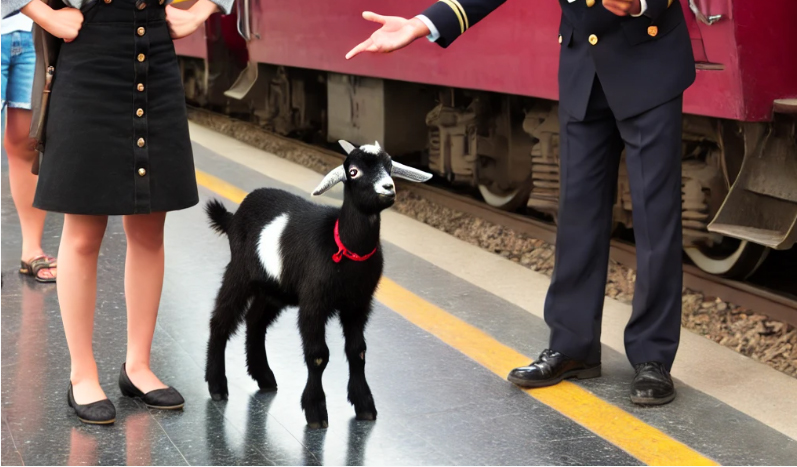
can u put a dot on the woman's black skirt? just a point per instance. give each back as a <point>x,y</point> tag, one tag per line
<point>117,137</point>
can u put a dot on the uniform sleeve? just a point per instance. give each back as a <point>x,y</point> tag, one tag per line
<point>10,6</point>
<point>656,7</point>
<point>452,18</point>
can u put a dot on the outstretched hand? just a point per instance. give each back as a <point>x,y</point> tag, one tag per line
<point>396,33</point>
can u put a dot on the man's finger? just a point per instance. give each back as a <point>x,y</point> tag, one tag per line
<point>362,46</point>
<point>613,8</point>
<point>371,16</point>
<point>613,5</point>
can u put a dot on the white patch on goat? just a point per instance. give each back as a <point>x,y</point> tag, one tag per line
<point>370,149</point>
<point>268,248</point>
<point>385,179</point>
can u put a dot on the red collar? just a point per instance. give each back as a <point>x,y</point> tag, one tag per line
<point>342,251</point>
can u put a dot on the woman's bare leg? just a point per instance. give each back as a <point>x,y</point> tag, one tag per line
<point>77,294</point>
<point>143,285</point>
<point>21,154</point>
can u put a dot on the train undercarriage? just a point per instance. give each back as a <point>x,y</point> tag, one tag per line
<point>739,188</point>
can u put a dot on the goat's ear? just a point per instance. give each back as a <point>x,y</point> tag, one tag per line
<point>408,173</point>
<point>347,146</point>
<point>337,175</point>
<point>378,147</point>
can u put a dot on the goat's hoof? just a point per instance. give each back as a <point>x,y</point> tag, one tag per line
<point>318,425</point>
<point>217,387</point>
<point>218,396</point>
<point>367,416</point>
<point>268,385</point>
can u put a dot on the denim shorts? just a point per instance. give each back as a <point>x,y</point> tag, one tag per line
<point>19,61</point>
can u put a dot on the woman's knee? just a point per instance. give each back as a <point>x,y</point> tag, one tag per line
<point>18,142</point>
<point>17,147</point>
<point>83,235</point>
<point>145,231</point>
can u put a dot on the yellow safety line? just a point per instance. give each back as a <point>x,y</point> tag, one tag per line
<point>220,187</point>
<point>640,440</point>
<point>608,421</point>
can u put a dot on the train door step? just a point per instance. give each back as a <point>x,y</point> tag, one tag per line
<point>244,83</point>
<point>762,204</point>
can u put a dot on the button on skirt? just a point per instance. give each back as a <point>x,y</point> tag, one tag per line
<point>117,139</point>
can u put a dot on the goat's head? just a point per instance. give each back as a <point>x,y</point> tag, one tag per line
<point>367,173</point>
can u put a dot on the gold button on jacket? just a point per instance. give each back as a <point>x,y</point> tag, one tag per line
<point>590,3</point>
<point>141,57</point>
<point>652,31</point>
<point>140,87</point>
<point>142,171</point>
<point>140,112</point>
<point>140,142</point>
<point>593,39</point>
<point>560,38</point>
<point>140,31</point>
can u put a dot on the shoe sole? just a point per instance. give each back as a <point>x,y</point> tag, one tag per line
<point>578,374</point>
<point>94,422</point>
<point>162,407</point>
<point>652,400</point>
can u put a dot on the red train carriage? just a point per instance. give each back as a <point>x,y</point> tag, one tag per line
<point>483,111</point>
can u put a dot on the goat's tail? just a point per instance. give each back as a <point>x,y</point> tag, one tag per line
<point>220,217</point>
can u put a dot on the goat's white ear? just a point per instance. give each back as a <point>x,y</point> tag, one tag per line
<point>347,146</point>
<point>378,147</point>
<point>409,173</point>
<point>337,175</point>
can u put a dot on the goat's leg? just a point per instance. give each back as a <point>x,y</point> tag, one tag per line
<point>263,311</point>
<point>312,326</point>
<point>227,315</point>
<point>353,322</point>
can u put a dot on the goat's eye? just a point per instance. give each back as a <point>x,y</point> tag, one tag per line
<point>353,173</point>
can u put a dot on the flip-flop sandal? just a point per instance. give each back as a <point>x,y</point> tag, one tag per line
<point>35,265</point>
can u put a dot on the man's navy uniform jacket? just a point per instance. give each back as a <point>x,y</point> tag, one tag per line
<point>641,62</point>
<point>621,83</point>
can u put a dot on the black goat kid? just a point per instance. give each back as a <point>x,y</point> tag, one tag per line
<point>287,251</point>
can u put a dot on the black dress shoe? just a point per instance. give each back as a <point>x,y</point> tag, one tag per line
<point>551,368</point>
<point>97,413</point>
<point>166,399</point>
<point>652,385</point>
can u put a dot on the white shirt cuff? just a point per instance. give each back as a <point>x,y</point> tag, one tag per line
<point>434,34</point>
<point>644,8</point>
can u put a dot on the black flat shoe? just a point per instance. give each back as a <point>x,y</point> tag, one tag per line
<point>165,399</point>
<point>551,368</point>
<point>652,385</point>
<point>97,413</point>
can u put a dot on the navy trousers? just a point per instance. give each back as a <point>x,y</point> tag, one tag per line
<point>590,155</point>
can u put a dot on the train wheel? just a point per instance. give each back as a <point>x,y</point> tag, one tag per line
<point>733,258</point>
<point>505,200</point>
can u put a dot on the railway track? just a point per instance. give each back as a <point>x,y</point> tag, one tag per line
<point>774,304</point>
